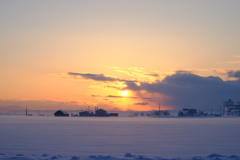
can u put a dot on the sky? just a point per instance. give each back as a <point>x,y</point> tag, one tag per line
<point>119,55</point>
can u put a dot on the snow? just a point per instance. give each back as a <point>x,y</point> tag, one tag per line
<point>103,138</point>
<point>102,157</point>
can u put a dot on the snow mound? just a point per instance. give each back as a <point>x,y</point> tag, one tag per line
<point>75,158</point>
<point>127,156</point>
<point>54,157</point>
<point>101,157</point>
<point>234,157</point>
<point>44,155</point>
<point>215,156</point>
<point>19,155</point>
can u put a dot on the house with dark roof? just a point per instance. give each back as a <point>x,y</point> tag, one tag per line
<point>101,113</point>
<point>61,113</point>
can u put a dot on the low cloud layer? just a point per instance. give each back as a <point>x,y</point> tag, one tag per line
<point>113,96</point>
<point>38,105</point>
<point>185,89</point>
<point>154,75</point>
<point>141,103</point>
<point>98,77</point>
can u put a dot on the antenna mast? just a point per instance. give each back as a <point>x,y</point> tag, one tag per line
<point>220,110</point>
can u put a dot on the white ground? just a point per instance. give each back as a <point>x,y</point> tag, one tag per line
<point>64,137</point>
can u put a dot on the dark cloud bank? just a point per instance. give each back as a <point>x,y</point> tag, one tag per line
<point>190,90</point>
<point>234,74</point>
<point>183,88</point>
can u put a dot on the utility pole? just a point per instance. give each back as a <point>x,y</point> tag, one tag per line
<point>26,111</point>
<point>220,110</point>
<point>159,109</point>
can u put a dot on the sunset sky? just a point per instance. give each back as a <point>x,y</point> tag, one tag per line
<point>119,55</point>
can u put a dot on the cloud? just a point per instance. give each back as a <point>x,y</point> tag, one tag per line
<point>183,72</point>
<point>140,73</point>
<point>234,74</point>
<point>42,105</point>
<point>190,90</point>
<point>230,74</point>
<point>141,103</point>
<point>153,75</point>
<point>95,95</point>
<point>98,77</point>
<point>146,98</point>
<point>111,96</point>
<point>72,102</point>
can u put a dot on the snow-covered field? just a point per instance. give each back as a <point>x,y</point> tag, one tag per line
<point>26,138</point>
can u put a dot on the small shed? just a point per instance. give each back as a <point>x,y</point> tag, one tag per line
<point>61,113</point>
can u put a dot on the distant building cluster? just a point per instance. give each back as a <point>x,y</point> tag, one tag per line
<point>159,113</point>
<point>97,113</point>
<point>230,108</point>
<point>188,112</point>
<point>193,112</point>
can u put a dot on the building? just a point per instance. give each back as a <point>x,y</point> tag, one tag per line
<point>101,113</point>
<point>187,112</point>
<point>98,113</point>
<point>229,108</point>
<point>85,114</point>
<point>61,113</point>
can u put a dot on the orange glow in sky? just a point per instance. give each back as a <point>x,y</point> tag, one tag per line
<point>94,54</point>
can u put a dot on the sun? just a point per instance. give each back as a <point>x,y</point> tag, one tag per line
<point>124,93</point>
